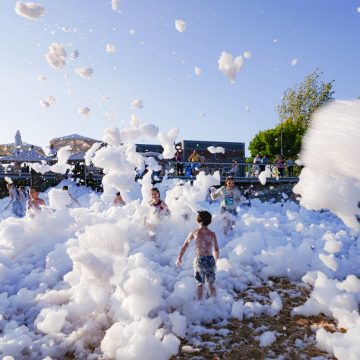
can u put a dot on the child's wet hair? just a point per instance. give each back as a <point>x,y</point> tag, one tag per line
<point>155,189</point>
<point>204,217</point>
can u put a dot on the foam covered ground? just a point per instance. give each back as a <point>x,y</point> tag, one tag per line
<point>91,281</point>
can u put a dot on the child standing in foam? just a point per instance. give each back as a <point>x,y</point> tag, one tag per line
<point>159,209</point>
<point>35,203</point>
<point>72,198</point>
<point>15,201</point>
<point>118,201</point>
<point>156,202</point>
<point>230,199</point>
<point>204,262</point>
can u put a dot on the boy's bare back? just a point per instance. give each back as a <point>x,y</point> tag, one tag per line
<point>205,241</point>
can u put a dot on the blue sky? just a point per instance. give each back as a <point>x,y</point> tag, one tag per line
<point>157,63</point>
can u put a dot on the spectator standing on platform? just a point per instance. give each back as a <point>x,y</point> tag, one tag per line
<point>280,164</point>
<point>234,169</point>
<point>290,167</point>
<point>194,158</point>
<point>256,166</point>
<point>261,166</point>
<point>179,164</point>
<point>264,162</point>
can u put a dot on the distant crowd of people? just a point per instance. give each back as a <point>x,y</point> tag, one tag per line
<point>277,168</point>
<point>195,163</point>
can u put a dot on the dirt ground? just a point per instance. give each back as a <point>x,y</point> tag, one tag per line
<point>295,336</point>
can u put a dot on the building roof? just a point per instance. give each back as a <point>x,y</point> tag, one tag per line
<point>74,137</point>
<point>24,156</point>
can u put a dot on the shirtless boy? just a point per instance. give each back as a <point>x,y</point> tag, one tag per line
<point>204,262</point>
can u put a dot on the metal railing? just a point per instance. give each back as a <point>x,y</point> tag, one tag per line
<point>184,170</point>
<point>190,169</point>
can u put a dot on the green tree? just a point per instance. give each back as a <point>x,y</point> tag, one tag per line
<point>268,142</point>
<point>295,110</point>
<point>300,102</point>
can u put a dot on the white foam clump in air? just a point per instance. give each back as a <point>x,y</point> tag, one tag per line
<point>63,155</point>
<point>42,78</point>
<point>167,140</point>
<point>56,56</point>
<point>8,180</point>
<point>247,54</point>
<point>264,175</point>
<point>84,111</point>
<point>115,4</point>
<point>267,338</point>
<point>216,150</point>
<point>59,199</point>
<point>110,48</point>
<point>149,130</point>
<point>137,104</point>
<point>50,100</point>
<point>84,72</point>
<point>110,115</point>
<point>230,66</point>
<point>29,10</point>
<point>247,109</point>
<point>91,153</point>
<point>75,54</point>
<point>180,25</point>
<point>197,71</point>
<point>294,62</point>
<point>40,168</point>
<point>68,29</point>
<point>331,177</point>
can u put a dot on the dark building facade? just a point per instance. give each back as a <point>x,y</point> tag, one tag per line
<point>233,151</point>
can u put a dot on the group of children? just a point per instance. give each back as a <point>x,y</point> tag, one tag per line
<point>23,199</point>
<point>206,245</point>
